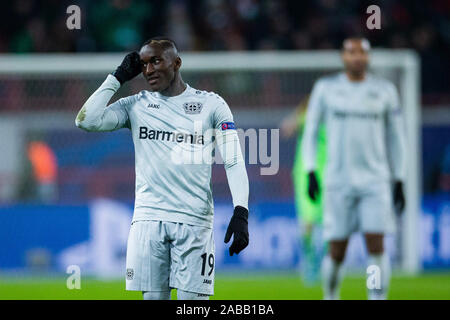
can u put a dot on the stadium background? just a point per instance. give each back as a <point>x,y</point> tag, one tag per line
<point>66,196</point>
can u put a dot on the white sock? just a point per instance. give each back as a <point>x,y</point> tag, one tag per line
<point>156,295</point>
<point>187,295</point>
<point>378,284</point>
<point>331,278</point>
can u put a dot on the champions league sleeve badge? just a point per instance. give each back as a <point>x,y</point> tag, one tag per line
<point>228,126</point>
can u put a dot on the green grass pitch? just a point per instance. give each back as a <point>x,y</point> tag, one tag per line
<point>258,286</point>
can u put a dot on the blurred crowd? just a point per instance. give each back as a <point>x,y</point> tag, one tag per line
<point>122,25</point>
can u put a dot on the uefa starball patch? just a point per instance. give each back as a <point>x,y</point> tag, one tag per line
<point>228,125</point>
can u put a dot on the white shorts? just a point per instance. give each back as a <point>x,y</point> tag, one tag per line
<point>162,255</point>
<point>347,210</point>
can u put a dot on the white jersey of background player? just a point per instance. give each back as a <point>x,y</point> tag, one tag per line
<point>173,127</point>
<point>365,156</point>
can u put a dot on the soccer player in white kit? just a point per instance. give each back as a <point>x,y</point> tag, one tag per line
<point>171,243</point>
<point>366,155</point>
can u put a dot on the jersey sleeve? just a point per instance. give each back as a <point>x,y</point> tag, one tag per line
<point>314,115</point>
<point>395,134</point>
<point>230,150</point>
<point>120,108</point>
<point>96,115</point>
<point>222,114</point>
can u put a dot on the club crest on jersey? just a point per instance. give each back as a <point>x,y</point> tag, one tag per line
<point>130,274</point>
<point>372,95</point>
<point>192,107</point>
<point>228,125</point>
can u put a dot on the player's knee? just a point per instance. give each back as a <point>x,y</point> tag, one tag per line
<point>156,295</point>
<point>337,256</point>
<point>186,295</point>
<point>337,250</point>
<point>308,228</point>
<point>375,248</point>
<point>374,243</point>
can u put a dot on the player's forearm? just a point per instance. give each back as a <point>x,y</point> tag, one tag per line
<point>230,150</point>
<point>309,147</point>
<point>238,183</point>
<point>94,115</point>
<point>397,148</point>
<point>312,123</point>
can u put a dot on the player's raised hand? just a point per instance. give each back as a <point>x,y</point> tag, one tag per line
<point>313,186</point>
<point>399,197</point>
<point>129,68</point>
<point>239,227</point>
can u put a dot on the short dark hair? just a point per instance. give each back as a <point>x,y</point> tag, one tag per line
<point>164,41</point>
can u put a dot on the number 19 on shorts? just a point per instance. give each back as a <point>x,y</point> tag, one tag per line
<point>207,260</point>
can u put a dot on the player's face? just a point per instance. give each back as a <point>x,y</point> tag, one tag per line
<point>159,66</point>
<point>355,56</point>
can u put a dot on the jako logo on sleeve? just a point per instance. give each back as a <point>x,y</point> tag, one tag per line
<point>228,125</point>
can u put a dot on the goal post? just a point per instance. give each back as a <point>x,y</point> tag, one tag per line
<point>287,71</point>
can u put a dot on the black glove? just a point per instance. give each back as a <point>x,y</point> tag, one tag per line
<point>239,226</point>
<point>130,68</point>
<point>399,197</point>
<point>313,186</point>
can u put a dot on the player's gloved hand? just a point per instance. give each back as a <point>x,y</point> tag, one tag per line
<point>313,186</point>
<point>399,197</point>
<point>239,227</point>
<point>130,68</point>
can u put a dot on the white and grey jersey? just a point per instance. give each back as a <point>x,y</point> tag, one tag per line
<point>171,135</point>
<point>365,131</point>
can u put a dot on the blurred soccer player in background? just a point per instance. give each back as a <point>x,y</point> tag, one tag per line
<point>365,159</point>
<point>173,125</point>
<point>308,204</point>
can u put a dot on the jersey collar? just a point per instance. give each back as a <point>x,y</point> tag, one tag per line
<point>344,77</point>
<point>186,91</point>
